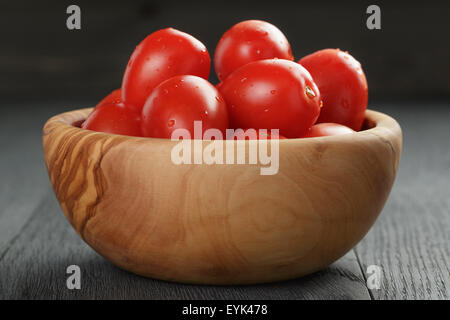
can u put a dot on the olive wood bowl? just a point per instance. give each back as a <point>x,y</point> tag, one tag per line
<point>221,224</point>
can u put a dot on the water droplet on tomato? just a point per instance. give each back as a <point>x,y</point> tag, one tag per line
<point>171,123</point>
<point>273,91</point>
<point>310,92</point>
<point>345,104</point>
<point>243,79</point>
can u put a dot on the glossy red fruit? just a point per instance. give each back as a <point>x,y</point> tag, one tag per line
<point>272,94</point>
<point>342,84</point>
<point>249,41</point>
<point>179,101</point>
<point>114,117</point>
<point>160,56</point>
<point>114,97</point>
<point>327,129</point>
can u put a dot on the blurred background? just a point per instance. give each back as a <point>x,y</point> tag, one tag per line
<point>41,60</point>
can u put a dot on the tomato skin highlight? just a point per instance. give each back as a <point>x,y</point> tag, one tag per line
<point>114,117</point>
<point>327,129</point>
<point>342,84</point>
<point>272,94</point>
<point>160,56</point>
<point>249,41</point>
<point>178,102</point>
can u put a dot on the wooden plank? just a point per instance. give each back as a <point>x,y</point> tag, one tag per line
<point>24,180</point>
<point>34,268</point>
<point>22,170</point>
<point>411,240</point>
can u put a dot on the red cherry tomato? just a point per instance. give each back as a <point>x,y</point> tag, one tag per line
<point>249,41</point>
<point>114,117</point>
<point>178,102</point>
<point>253,134</point>
<point>162,55</point>
<point>113,97</point>
<point>272,94</point>
<point>327,129</point>
<point>342,84</point>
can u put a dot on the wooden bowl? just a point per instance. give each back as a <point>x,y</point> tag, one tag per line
<point>221,224</point>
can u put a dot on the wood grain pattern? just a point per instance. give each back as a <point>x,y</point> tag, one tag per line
<point>221,224</point>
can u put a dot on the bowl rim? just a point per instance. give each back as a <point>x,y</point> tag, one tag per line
<point>376,122</point>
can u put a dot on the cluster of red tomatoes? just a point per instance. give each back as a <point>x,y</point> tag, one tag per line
<point>165,87</point>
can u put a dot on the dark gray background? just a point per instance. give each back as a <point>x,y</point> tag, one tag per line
<point>40,59</point>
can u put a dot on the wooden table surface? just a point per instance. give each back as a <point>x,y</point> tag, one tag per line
<point>410,240</point>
